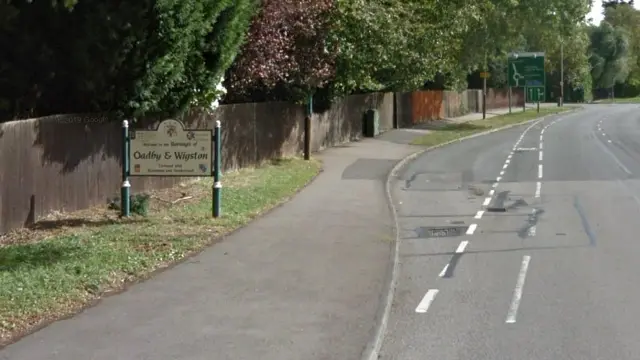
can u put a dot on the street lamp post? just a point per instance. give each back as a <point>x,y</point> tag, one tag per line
<point>561,102</point>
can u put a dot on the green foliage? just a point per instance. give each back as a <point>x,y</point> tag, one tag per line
<point>137,58</point>
<point>140,204</point>
<point>609,55</point>
<point>627,19</point>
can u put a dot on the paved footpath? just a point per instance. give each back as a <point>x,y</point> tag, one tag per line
<point>306,281</point>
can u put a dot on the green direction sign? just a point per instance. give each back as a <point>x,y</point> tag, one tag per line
<point>535,94</point>
<point>526,69</point>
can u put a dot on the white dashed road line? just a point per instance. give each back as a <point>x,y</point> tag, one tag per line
<point>428,298</point>
<point>538,189</point>
<point>517,293</point>
<point>479,214</point>
<point>444,271</point>
<point>472,228</point>
<point>462,246</point>
<point>539,171</point>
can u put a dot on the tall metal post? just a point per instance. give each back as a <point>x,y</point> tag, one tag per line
<point>217,181</point>
<point>484,88</point>
<point>561,102</point>
<point>125,190</point>
<point>307,129</point>
<point>509,99</point>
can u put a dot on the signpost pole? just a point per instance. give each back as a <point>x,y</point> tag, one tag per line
<point>524,102</point>
<point>217,184</point>
<point>509,99</point>
<point>484,88</point>
<point>307,129</point>
<point>125,206</point>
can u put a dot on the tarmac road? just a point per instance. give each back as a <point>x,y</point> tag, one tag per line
<point>523,244</point>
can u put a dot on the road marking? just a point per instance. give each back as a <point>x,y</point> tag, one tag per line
<point>508,161</point>
<point>462,246</point>
<point>540,171</point>
<point>540,156</point>
<point>542,131</point>
<point>538,188</point>
<point>517,293</point>
<point>444,271</point>
<point>615,158</point>
<point>491,192</point>
<point>423,306</point>
<point>486,201</point>
<point>603,134</point>
<point>472,229</point>
<point>526,149</point>
<point>498,178</point>
<point>506,165</point>
<point>540,145</point>
<point>495,185</point>
<point>501,172</point>
<point>609,141</point>
<point>479,214</point>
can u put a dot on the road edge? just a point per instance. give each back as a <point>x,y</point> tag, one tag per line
<point>372,351</point>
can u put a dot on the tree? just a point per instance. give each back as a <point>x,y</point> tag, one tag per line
<point>627,19</point>
<point>609,55</point>
<point>606,4</point>
<point>286,56</point>
<point>134,58</point>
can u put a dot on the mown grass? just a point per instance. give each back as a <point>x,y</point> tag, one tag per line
<point>632,100</point>
<point>66,262</point>
<point>455,131</point>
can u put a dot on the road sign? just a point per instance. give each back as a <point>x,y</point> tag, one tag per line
<point>171,150</point>
<point>526,69</point>
<point>535,94</point>
<point>484,75</point>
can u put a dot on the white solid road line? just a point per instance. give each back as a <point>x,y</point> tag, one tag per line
<point>423,306</point>
<point>479,214</point>
<point>462,246</point>
<point>472,228</point>
<point>517,293</point>
<point>538,188</point>
<point>539,171</point>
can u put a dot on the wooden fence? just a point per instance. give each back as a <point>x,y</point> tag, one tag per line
<point>72,162</point>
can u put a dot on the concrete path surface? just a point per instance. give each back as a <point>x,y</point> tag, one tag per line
<point>304,282</point>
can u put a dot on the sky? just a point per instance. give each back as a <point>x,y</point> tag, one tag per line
<point>596,11</point>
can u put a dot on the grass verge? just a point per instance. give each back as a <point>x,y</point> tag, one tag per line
<point>69,260</point>
<point>453,131</point>
<point>633,100</point>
